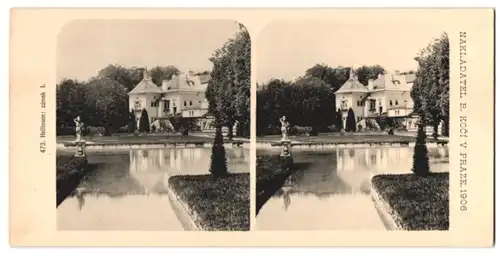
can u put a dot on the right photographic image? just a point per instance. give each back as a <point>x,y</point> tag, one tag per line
<point>352,125</point>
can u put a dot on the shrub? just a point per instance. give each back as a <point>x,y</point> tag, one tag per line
<point>332,128</point>
<point>94,131</point>
<point>300,130</point>
<point>420,154</point>
<point>350,124</point>
<point>338,120</point>
<point>131,122</point>
<point>123,129</point>
<point>218,163</point>
<point>391,131</point>
<point>372,125</point>
<point>65,130</point>
<point>144,121</point>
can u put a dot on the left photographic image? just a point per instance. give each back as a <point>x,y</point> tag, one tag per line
<point>153,125</point>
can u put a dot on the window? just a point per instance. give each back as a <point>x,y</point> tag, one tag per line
<point>185,103</point>
<point>396,102</point>
<point>390,103</point>
<point>152,104</point>
<point>190,103</point>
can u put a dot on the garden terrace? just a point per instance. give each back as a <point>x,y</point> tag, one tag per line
<point>219,204</point>
<point>348,138</point>
<point>144,140</point>
<point>415,203</point>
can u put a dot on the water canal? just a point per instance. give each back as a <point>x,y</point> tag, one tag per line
<point>127,190</point>
<point>331,188</point>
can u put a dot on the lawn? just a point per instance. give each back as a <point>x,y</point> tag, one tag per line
<point>421,203</point>
<point>337,138</point>
<point>271,172</point>
<point>142,139</point>
<point>222,204</point>
<point>347,138</point>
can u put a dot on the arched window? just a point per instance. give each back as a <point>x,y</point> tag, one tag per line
<point>396,102</point>
<point>390,103</point>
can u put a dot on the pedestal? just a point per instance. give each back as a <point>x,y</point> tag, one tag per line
<point>286,147</point>
<point>80,148</point>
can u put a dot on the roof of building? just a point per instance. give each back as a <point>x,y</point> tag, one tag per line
<point>352,84</point>
<point>410,78</point>
<point>393,82</point>
<point>204,78</point>
<point>146,85</point>
<point>184,82</point>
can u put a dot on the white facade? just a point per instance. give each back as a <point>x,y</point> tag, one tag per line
<point>183,95</point>
<point>388,95</point>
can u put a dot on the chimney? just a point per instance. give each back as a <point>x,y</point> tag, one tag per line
<point>164,85</point>
<point>370,85</point>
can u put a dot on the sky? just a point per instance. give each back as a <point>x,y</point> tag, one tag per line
<point>286,49</point>
<point>86,46</point>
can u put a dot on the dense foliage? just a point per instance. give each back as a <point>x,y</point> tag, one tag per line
<point>228,92</point>
<point>350,124</point>
<point>102,101</point>
<point>218,163</point>
<point>144,121</point>
<point>420,155</point>
<point>431,88</point>
<point>307,101</point>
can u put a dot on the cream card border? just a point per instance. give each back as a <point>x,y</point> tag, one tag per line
<point>33,41</point>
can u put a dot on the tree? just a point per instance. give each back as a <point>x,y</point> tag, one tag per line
<point>351,121</point>
<point>228,91</point>
<point>128,77</point>
<point>420,154</point>
<point>131,122</point>
<point>430,91</point>
<point>365,73</point>
<point>336,77</point>
<point>338,120</point>
<point>218,163</point>
<point>107,104</point>
<point>311,103</point>
<point>70,102</point>
<point>159,73</point>
<point>270,106</point>
<point>144,121</point>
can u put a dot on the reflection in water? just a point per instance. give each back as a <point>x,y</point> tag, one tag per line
<point>127,190</point>
<point>331,188</point>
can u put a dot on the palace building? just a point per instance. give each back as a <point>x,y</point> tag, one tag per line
<point>386,96</point>
<point>182,95</point>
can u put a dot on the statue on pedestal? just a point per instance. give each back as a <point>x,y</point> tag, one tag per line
<point>78,128</point>
<point>284,128</point>
<point>80,144</point>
